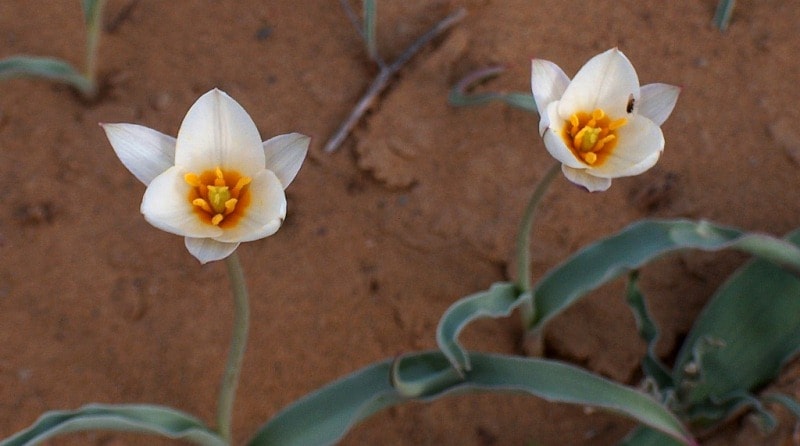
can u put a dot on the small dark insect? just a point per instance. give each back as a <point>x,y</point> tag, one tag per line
<point>631,100</point>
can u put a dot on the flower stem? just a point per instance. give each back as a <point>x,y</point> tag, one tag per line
<point>524,241</point>
<point>241,320</point>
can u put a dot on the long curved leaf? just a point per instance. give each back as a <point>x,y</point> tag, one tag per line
<point>324,416</point>
<point>723,14</point>
<point>460,95</point>
<point>638,244</point>
<point>498,301</point>
<point>44,67</point>
<point>140,418</point>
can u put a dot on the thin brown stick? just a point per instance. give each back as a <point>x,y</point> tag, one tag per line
<point>381,81</point>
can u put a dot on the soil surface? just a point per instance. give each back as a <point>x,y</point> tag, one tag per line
<point>418,208</point>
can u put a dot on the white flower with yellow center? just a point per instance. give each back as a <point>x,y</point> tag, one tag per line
<point>217,184</point>
<point>601,125</point>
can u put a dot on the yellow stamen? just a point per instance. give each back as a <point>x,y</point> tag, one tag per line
<point>574,120</point>
<point>590,157</point>
<point>613,125</point>
<point>230,205</point>
<point>202,204</point>
<point>192,179</point>
<point>217,219</point>
<point>578,140</point>
<point>603,142</point>
<point>243,181</point>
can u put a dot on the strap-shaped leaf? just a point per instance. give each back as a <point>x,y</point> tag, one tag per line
<point>140,418</point>
<point>370,23</point>
<point>753,317</point>
<point>638,244</point>
<point>723,14</point>
<point>651,364</point>
<point>461,97</point>
<point>324,416</point>
<point>498,301</point>
<point>43,67</point>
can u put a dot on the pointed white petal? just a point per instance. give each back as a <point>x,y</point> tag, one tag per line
<point>657,101</point>
<point>218,132</point>
<point>166,206</point>
<point>639,146</point>
<point>582,177</point>
<point>548,83</point>
<point>554,143</point>
<point>606,82</point>
<point>268,204</point>
<point>207,250</point>
<point>285,154</point>
<point>145,152</point>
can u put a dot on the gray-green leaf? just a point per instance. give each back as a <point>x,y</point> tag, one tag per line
<point>140,418</point>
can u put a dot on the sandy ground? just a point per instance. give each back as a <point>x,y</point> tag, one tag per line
<point>418,208</point>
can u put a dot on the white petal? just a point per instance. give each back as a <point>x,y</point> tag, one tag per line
<point>207,250</point>
<point>268,203</point>
<point>554,142</point>
<point>166,206</point>
<point>582,177</point>
<point>548,83</point>
<point>639,145</point>
<point>606,82</point>
<point>657,101</point>
<point>285,154</point>
<point>218,132</point>
<point>145,152</point>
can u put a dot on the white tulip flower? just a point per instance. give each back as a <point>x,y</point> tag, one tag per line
<point>601,125</point>
<point>217,184</point>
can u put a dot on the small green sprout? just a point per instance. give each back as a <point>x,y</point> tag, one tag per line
<point>59,70</point>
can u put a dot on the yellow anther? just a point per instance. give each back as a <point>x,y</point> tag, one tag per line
<point>230,205</point>
<point>217,219</point>
<point>243,181</point>
<point>613,125</point>
<point>220,179</point>
<point>202,204</point>
<point>603,142</point>
<point>598,114</point>
<point>574,120</point>
<point>192,179</point>
<point>590,157</point>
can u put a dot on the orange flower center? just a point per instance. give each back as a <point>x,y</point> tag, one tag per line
<point>219,197</point>
<point>592,136</point>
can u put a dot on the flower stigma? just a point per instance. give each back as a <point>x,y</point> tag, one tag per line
<point>592,136</point>
<point>218,197</point>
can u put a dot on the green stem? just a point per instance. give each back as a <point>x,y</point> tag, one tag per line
<point>241,318</point>
<point>524,242</point>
